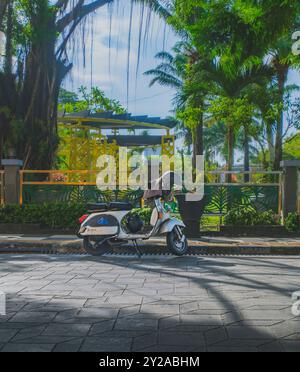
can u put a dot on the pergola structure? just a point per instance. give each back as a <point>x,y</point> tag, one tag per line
<point>83,139</point>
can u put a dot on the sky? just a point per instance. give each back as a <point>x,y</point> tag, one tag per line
<point>109,71</point>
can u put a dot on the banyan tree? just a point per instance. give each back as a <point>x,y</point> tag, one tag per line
<point>37,58</point>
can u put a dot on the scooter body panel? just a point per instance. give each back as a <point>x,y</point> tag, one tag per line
<point>93,226</point>
<point>169,225</point>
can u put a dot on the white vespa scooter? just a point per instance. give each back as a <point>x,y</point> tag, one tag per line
<point>113,224</point>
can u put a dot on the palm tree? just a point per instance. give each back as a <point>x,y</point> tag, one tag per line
<point>281,61</point>
<point>215,142</point>
<point>172,71</point>
<point>232,85</point>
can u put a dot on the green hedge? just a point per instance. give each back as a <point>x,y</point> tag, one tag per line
<point>53,215</point>
<point>292,222</point>
<point>250,217</point>
<point>48,215</point>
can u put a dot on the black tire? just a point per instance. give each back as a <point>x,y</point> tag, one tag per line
<point>94,247</point>
<point>179,248</point>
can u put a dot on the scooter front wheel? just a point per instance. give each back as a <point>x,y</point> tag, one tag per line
<point>177,242</point>
<point>94,247</point>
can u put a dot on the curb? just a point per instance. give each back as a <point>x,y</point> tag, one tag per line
<point>41,247</point>
<point>59,247</point>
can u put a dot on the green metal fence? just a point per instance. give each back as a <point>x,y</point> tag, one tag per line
<point>69,186</point>
<point>34,194</point>
<point>219,199</point>
<point>262,192</point>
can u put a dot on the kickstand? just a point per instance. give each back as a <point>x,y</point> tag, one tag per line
<point>136,246</point>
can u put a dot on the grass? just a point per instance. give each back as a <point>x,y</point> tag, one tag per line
<point>208,223</point>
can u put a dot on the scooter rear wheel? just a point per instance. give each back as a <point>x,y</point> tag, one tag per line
<point>94,247</point>
<point>176,244</point>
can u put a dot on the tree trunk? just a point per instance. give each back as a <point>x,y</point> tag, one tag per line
<point>279,142</point>
<point>199,138</point>
<point>230,161</point>
<point>40,107</point>
<point>9,40</point>
<point>282,73</point>
<point>246,155</point>
<point>198,141</point>
<point>271,145</point>
<point>3,7</point>
<point>43,77</point>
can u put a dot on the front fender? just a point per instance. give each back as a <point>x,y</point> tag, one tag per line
<point>169,226</point>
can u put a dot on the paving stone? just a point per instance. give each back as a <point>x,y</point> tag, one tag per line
<point>67,330</point>
<point>294,336</point>
<point>160,309</point>
<point>33,348</point>
<point>173,349</point>
<point>102,327</point>
<point>96,313</point>
<point>235,349</point>
<point>130,291</point>
<point>291,346</point>
<point>99,302</point>
<point>106,344</point>
<point>142,342</point>
<point>7,334</point>
<point>65,303</point>
<point>68,347</point>
<point>216,335</point>
<point>273,347</point>
<point>249,333</point>
<point>33,317</point>
<point>43,339</point>
<point>129,311</point>
<point>285,329</point>
<point>29,332</point>
<point>267,314</point>
<point>147,324</point>
<point>130,300</point>
<point>205,320</point>
<point>177,339</point>
<point>87,293</point>
<point>245,342</point>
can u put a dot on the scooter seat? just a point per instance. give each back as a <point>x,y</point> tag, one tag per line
<point>97,207</point>
<point>118,206</point>
<point>104,207</point>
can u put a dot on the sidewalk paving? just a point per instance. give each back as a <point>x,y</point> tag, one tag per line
<point>190,304</point>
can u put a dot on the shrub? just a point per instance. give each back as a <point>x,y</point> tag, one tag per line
<point>48,215</point>
<point>144,214</point>
<point>292,222</point>
<point>250,217</point>
<point>60,216</point>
